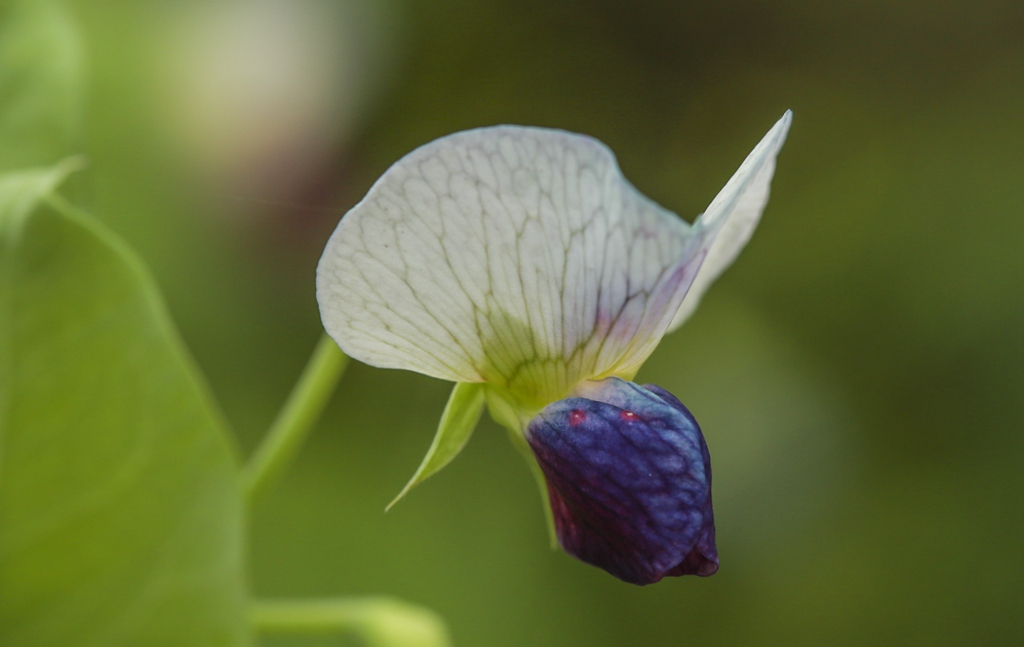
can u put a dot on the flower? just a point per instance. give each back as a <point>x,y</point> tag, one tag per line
<point>519,263</point>
<point>629,479</point>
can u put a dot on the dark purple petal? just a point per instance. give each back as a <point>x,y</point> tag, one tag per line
<point>629,477</point>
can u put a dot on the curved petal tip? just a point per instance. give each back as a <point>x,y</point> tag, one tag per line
<point>735,213</point>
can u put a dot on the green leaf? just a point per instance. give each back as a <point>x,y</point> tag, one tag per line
<point>121,518</point>
<point>458,421</point>
<point>41,83</point>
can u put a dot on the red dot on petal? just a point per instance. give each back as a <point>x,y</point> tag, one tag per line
<point>627,415</point>
<point>577,416</point>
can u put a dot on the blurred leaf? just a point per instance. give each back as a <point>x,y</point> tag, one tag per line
<point>120,511</point>
<point>458,421</point>
<point>41,76</point>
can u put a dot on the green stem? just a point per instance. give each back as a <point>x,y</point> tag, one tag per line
<point>296,419</point>
<point>378,621</point>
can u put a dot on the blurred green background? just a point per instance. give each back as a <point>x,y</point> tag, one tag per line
<point>858,373</point>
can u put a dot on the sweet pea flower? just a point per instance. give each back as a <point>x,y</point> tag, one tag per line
<point>520,264</point>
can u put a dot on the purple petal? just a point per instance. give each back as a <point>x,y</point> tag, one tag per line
<point>629,477</point>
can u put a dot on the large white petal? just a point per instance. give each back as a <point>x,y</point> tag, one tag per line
<point>517,256</point>
<point>737,210</point>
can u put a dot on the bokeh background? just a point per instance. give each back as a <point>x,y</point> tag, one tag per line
<point>858,372</point>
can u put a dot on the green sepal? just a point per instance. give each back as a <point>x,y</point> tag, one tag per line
<point>458,421</point>
<point>514,419</point>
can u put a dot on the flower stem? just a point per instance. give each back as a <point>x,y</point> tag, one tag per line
<point>296,419</point>
<point>378,621</point>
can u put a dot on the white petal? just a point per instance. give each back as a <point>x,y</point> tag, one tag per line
<point>517,256</point>
<point>736,209</point>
